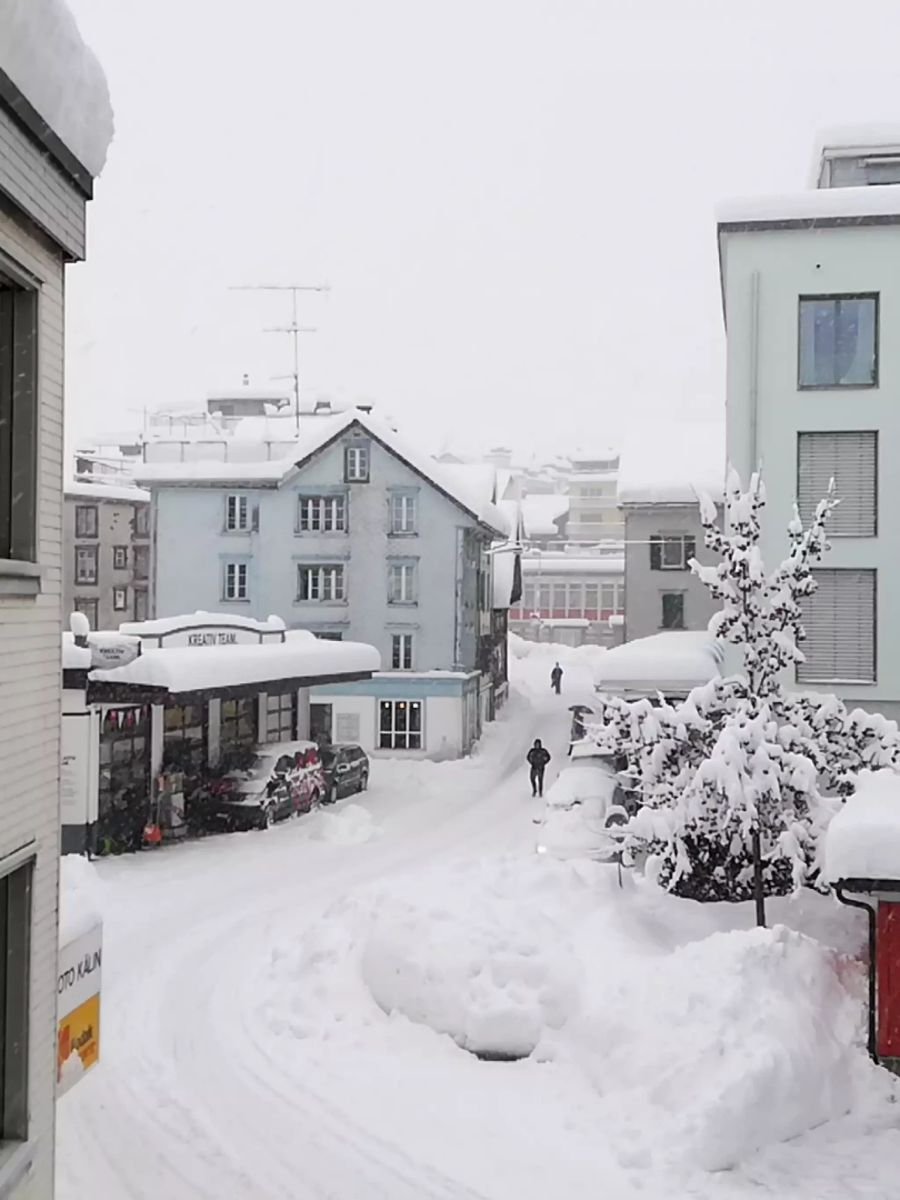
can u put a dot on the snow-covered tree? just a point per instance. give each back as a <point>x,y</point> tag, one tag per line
<point>744,775</point>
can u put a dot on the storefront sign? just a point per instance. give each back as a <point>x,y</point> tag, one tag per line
<point>113,652</point>
<point>213,639</point>
<point>78,1007</point>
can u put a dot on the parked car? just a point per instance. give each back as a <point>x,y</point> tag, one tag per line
<point>584,807</point>
<point>277,781</point>
<point>346,770</point>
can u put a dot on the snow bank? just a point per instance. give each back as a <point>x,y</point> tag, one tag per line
<point>79,897</point>
<point>348,826</point>
<point>44,55</point>
<point>695,1037</point>
<point>863,839</point>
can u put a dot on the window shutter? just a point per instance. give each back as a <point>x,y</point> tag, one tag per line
<point>851,460</point>
<point>839,621</point>
<point>656,554</point>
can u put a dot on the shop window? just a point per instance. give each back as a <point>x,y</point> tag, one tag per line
<point>281,717</point>
<point>86,520</point>
<point>400,725</point>
<point>185,737</point>
<point>237,725</point>
<point>15,969</point>
<point>124,790</point>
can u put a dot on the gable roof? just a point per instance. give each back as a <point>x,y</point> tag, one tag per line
<point>465,490</point>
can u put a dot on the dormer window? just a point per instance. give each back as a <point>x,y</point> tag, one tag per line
<point>356,462</point>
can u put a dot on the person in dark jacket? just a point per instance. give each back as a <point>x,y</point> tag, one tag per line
<point>556,679</point>
<point>538,758</point>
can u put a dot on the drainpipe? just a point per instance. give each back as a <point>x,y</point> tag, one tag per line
<point>754,369</point>
<point>869,909</point>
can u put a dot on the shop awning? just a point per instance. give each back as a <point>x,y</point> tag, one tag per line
<point>187,673</point>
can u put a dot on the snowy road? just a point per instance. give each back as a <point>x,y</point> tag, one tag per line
<point>230,1069</point>
<point>188,1103</point>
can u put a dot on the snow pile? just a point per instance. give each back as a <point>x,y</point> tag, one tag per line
<point>673,659</point>
<point>695,1041</point>
<point>863,839</point>
<point>79,897</point>
<point>349,826</point>
<point>569,657</point>
<point>43,54</point>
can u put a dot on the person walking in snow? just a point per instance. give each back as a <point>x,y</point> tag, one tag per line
<point>538,758</point>
<point>556,679</point>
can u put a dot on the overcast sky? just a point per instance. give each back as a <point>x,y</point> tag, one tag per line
<point>512,200</point>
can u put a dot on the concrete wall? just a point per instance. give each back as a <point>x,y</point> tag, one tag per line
<point>30,694</point>
<point>191,547</point>
<point>644,587</point>
<point>766,410</point>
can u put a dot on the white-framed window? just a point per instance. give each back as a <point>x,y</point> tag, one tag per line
<point>120,599</point>
<point>320,583</point>
<point>15,955</point>
<point>850,458</point>
<point>838,341</point>
<point>402,651</point>
<point>402,583</point>
<point>609,597</point>
<point>356,463</point>
<point>404,511</point>
<point>672,552</point>
<point>235,582</point>
<point>323,514</point>
<point>400,725</point>
<point>237,513</point>
<point>839,619</point>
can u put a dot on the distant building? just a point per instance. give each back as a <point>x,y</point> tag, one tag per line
<point>106,561</point>
<point>810,283</point>
<point>569,598</point>
<point>593,508</point>
<point>663,471</point>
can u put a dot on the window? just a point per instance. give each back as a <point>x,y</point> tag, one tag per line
<point>671,552</point>
<point>403,512</point>
<point>544,596</point>
<point>323,514</point>
<point>851,460</point>
<point>124,773</point>
<point>237,725</point>
<point>400,725</point>
<point>559,598</point>
<point>347,727</point>
<point>237,514</point>
<point>235,581</point>
<point>838,341</point>
<point>18,419</point>
<point>185,737</point>
<point>120,558</point>
<point>356,463</point>
<point>120,599</point>
<point>330,635</point>
<point>89,608</point>
<point>141,562</point>
<point>281,717</point>
<point>142,521</point>
<point>402,651</point>
<point>85,564</point>
<point>591,597</point>
<point>402,583</point>
<point>839,620</point>
<point>141,608</point>
<point>320,583</point>
<point>673,610</point>
<point>529,597</point>
<point>608,597</point>
<point>576,599</point>
<point>15,970</point>
<point>86,523</point>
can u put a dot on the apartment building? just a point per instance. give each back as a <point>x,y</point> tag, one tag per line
<point>106,563</point>
<point>593,509</point>
<point>54,127</point>
<point>811,293</point>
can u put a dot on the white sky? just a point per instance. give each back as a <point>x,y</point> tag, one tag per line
<point>512,200</point>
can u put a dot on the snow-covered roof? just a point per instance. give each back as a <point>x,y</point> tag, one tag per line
<point>43,53</point>
<point>120,493</point>
<point>819,204</point>
<point>673,462</point>
<point>193,669</point>
<point>571,564</point>
<point>541,511</point>
<point>467,490</point>
<point>74,658</point>
<point>863,839</point>
<point>673,661</point>
<point>242,392</point>
<point>847,140</point>
<point>159,626</point>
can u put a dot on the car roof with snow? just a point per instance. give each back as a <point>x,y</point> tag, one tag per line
<point>589,779</point>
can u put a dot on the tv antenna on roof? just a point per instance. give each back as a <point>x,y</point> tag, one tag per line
<point>294,329</point>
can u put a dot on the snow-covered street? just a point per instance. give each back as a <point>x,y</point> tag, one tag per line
<point>238,1060</point>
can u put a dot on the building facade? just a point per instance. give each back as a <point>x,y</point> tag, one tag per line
<point>569,598</point>
<point>593,509</point>
<point>43,195</point>
<point>811,289</point>
<point>106,563</point>
<point>354,537</point>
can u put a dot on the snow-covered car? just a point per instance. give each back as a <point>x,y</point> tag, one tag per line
<point>584,808</point>
<point>277,781</point>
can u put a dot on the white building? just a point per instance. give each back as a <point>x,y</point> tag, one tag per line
<point>811,288</point>
<point>55,124</point>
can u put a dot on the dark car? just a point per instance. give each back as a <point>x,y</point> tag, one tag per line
<point>276,781</point>
<point>346,770</point>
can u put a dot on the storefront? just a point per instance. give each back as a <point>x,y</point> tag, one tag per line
<point>185,696</point>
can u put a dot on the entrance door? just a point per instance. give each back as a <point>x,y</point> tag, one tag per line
<point>320,723</point>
